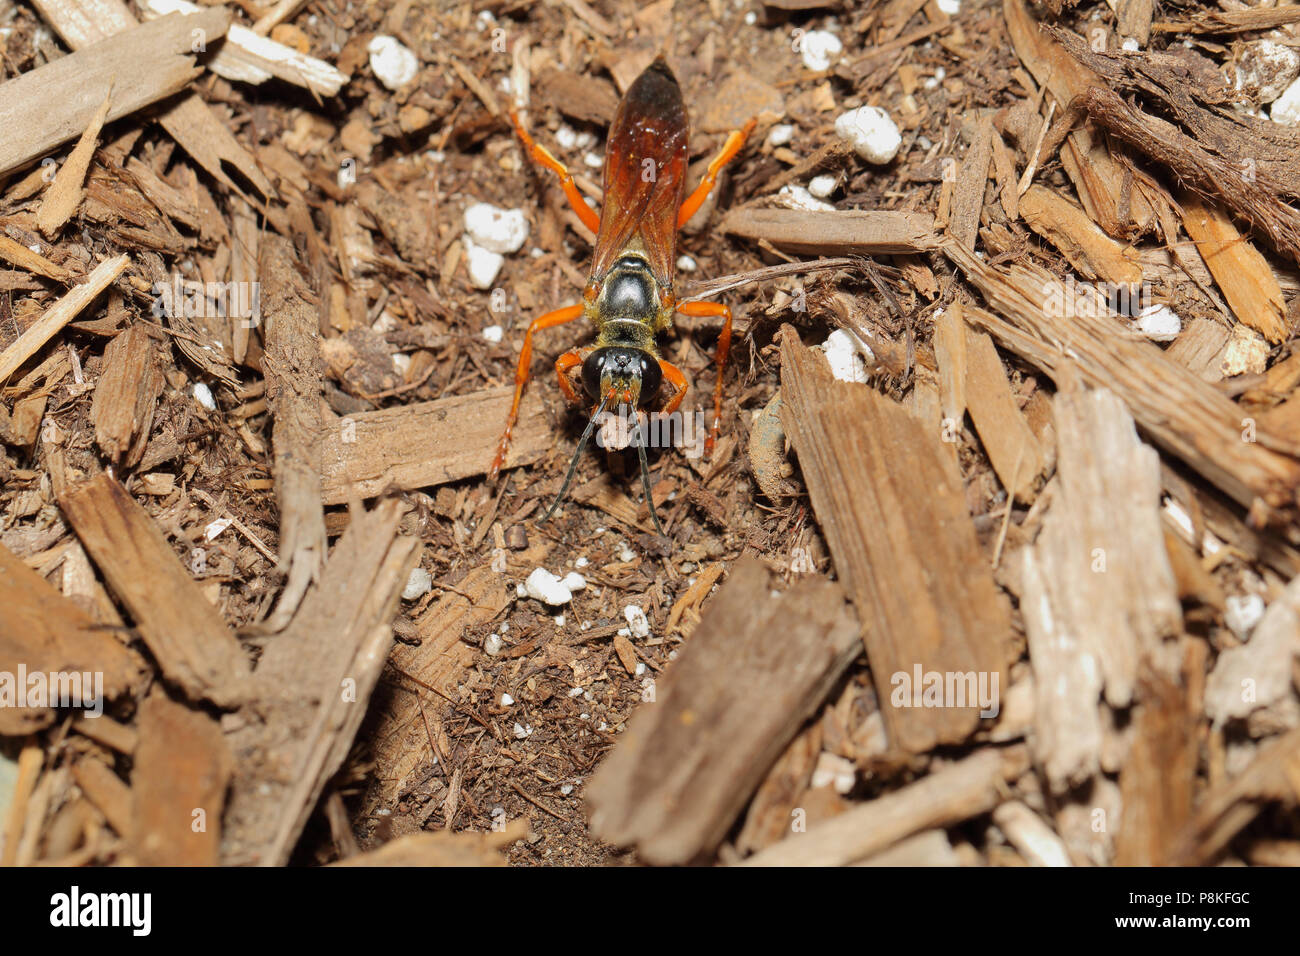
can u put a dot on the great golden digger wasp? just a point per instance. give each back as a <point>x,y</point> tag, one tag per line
<point>629,297</point>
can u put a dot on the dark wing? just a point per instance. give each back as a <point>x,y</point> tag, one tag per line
<point>645,173</point>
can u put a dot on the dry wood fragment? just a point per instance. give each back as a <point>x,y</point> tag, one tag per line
<point>1209,174</point>
<point>1086,246</point>
<point>106,791</point>
<point>1184,414</point>
<point>841,232</point>
<point>902,541</point>
<point>189,121</point>
<point>43,632</point>
<point>1258,674</point>
<point>1134,19</point>
<point>1100,181</point>
<point>1030,835</point>
<point>294,373</point>
<point>754,670</point>
<point>950,356</point>
<point>771,813</point>
<point>444,849</point>
<point>1244,20</point>
<point>1158,779</point>
<point>30,760</point>
<point>1014,450</point>
<point>1241,272</point>
<point>1228,808</point>
<point>968,192</point>
<point>58,315</point>
<point>247,57</point>
<point>959,791</point>
<point>928,848</point>
<point>34,262</point>
<point>186,635</point>
<point>1199,347</point>
<point>125,396</point>
<point>45,107</point>
<point>65,193</point>
<point>178,785</point>
<point>312,686</point>
<point>1099,593</point>
<point>427,443</point>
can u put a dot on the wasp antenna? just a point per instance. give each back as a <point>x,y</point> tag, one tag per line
<point>645,484</point>
<point>577,456</point>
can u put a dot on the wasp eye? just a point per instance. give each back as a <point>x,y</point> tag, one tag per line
<point>591,369</point>
<point>651,377</point>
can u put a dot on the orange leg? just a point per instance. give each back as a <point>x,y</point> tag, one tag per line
<point>547,321</point>
<point>565,364</point>
<point>735,141</point>
<point>674,377</point>
<point>720,357</point>
<point>543,157</point>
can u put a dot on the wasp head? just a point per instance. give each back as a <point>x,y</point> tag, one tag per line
<point>632,375</point>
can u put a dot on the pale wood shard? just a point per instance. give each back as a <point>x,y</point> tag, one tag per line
<point>43,632</point>
<point>1238,267</point>
<point>58,315</point>
<point>950,355</point>
<point>772,812</point>
<point>928,848</point>
<point>247,57</point>
<point>444,849</point>
<point>968,192</point>
<point>959,791</point>
<point>1258,674</point>
<point>428,443</point>
<point>1159,774</point>
<point>126,395</point>
<point>245,254</point>
<point>1107,189</point>
<point>1099,593</point>
<point>65,193</point>
<point>186,635</point>
<point>312,688</point>
<point>841,232</point>
<point>1230,807</point>
<point>754,670</point>
<point>902,541</point>
<point>1134,18</point>
<point>1014,450</point>
<point>1030,834</point>
<point>181,769</point>
<point>189,121</point>
<point>46,107</point>
<point>106,791</point>
<point>1086,247</point>
<point>1183,414</point>
<point>294,373</point>
<point>1200,347</point>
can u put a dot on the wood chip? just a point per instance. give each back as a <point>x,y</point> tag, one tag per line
<point>65,193</point>
<point>942,798</point>
<point>754,670</point>
<point>185,634</point>
<point>903,543</point>
<point>428,443</point>
<point>126,395</point>
<point>841,232</point>
<point>178,785</point>
<point>59,315</point>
